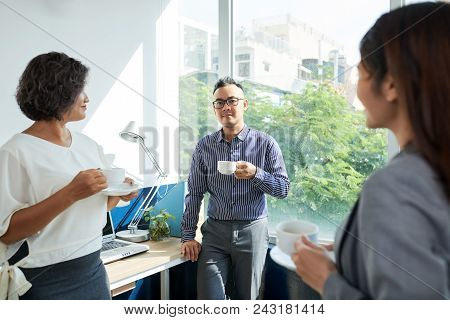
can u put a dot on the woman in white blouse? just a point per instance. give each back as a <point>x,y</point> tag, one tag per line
<point>51,209</point>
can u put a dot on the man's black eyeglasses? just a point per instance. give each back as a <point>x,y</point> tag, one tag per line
<point>219,104</point>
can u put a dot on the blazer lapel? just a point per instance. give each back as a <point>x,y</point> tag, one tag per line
<point>343,233</point>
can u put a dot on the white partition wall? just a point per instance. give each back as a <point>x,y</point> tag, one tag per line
<point>126,45</point>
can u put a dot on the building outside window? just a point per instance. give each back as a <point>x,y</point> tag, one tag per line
<point>242,57</point>
<point>244,69</point>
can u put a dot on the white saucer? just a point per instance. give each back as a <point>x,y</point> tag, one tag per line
<point>121,189</point>
<point>285,260</point>
<point>282,258</point>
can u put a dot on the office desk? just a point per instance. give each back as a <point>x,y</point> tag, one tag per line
<point>161,256</point>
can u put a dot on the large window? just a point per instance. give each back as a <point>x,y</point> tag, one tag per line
<point>306,99</point>
<point>297,61</point>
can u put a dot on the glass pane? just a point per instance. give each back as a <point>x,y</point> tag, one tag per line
<point>300,77</point>
<point>199,65</point>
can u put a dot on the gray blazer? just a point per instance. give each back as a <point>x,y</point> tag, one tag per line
<point>396,242</point>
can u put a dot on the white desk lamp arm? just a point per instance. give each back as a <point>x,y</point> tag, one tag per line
<point>133,225</point>
<point>152,158</point>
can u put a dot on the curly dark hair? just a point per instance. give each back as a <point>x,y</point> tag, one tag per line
<point>49,86</point>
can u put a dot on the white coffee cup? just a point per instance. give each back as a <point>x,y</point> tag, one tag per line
<point>226,167</point>
<point>288,232</point>
<point>114,176</point>
<point>109,159</point>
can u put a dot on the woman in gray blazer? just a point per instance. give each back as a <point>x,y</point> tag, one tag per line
<point>395,244</point>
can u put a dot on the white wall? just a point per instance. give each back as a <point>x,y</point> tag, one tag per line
<point>131,50</point>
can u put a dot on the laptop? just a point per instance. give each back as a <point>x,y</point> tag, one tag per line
<point>114,249</point>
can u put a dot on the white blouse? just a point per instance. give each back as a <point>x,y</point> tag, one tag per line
<point>33,169</point>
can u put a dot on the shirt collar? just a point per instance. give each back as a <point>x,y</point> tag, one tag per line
<point>241,136</point>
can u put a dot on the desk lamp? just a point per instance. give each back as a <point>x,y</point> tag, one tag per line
<point>133,234</point>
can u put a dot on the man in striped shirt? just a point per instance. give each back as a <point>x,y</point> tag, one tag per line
<point>235,235</point>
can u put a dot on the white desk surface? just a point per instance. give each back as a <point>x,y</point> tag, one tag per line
<point>161,256</point>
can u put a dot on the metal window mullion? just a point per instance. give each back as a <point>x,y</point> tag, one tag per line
<point>226,38</point>
<point>392,144</point>
<point>394,4</point>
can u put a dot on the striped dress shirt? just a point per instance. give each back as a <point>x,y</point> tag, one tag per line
<point>231,198</point>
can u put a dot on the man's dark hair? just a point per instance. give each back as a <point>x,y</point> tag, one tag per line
<point>49,86</point>
<point>226,81</point>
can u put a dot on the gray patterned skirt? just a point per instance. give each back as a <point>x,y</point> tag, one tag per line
<point>82,278</point>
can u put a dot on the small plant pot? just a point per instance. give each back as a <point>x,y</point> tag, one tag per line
<point>159,230</point>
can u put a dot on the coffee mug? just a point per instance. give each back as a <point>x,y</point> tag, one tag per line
<point>226,167</point>
<point>114,176</point>
<point>288,232</point>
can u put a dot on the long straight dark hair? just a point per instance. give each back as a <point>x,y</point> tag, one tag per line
<point>412,43</point>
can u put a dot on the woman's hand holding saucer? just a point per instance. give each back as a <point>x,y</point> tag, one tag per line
<point>131,195</point>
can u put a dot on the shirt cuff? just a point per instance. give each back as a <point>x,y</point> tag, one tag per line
<point>259,177</point>
<point>4,225</point>
<point>187,236</point>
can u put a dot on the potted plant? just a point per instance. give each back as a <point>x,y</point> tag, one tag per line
<point>157,223</point>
